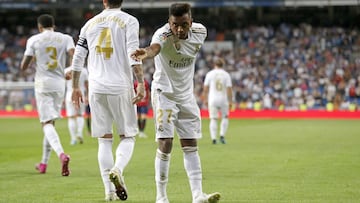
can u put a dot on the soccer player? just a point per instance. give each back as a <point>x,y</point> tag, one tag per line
<point>108,39</point>
<point>174,47</point>
<point>142,109</point>
<point>76,119</point>
<point>218,98</point>
<point>49,48</point>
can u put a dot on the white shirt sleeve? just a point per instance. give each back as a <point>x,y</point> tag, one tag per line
<point>159,37</point>
<point>228,80</point>
<point>66,70</point>
<point>70,43</point>
<point>207,79</point>
<point>81,51</point>
<point>132,39</point>
<point>29,51</point>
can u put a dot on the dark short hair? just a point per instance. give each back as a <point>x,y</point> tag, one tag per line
<point>179,9</point>
<point>115,2</point>
<point>46,20</point>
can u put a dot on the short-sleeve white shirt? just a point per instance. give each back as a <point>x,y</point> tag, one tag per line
<point>175,64</point>
<point>50,49</point>
<point>218,80</point>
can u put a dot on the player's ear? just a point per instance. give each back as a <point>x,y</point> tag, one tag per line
<point>40,27</point>
<point>105,3</point>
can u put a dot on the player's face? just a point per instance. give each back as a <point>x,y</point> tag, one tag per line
<point>180,26</point>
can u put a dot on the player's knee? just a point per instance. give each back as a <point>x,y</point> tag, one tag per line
<point>107,136</point>
<point>165,144</point>
<point>127,139</point>
<point>189,149</point>
<point>163,156</point>
<point>50,122</point>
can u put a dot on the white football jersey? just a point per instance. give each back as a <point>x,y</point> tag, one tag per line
<point>109,38</point>
<point>49,49</point>
<point>82,83</point>
<point>218,81</point>
<point>175,64</point>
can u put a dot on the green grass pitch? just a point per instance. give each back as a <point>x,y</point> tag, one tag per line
<point>264,161</point>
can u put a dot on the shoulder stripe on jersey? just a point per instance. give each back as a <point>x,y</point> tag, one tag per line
<point>199,32</point>
<point>167,33</point>
<point>198,28</point>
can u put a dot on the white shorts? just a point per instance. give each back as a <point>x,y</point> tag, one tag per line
<point>71,110</point>
<point>214,110</point>
<point>49,105</point>
<point>170,115</point>
<point>107,110</point>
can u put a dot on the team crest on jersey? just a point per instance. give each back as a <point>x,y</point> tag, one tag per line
<point>160,128</point>
<point>163,37</point>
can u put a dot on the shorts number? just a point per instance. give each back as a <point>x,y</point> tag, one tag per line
<point>160,114</point>
<point>105,39</point>
<point>53,56</point>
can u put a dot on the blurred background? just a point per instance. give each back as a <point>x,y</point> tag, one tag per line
<point>281,54</point>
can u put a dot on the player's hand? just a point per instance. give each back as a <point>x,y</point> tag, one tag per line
<point>206,104</point>
<point>230,106</point>
<point>76,98</point>
<point>86,101</point>
<point>139,54</point>
<point>68,75</point>
<point>140,93</point>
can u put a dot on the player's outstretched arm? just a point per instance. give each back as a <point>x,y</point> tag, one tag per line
<point>140,89</point>
<point>230,96</point>
<point>144,53</point>
<point>205,94</point>
<point>25,62</point>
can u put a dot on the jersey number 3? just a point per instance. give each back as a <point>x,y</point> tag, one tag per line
<point>53,56</point>
<point>105,39</point>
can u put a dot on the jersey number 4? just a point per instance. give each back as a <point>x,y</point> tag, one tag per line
<point>105,39</point>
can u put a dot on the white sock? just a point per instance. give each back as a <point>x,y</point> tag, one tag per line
<point>80,126</point>
<point>193,169</point>
<point>213,128</point>
<point>162,164</point>
<point>106,162</point>
<point>124,152</point>
<point>224,126</point>
<point>72,128</point>
<point>53,138</point>
<point>46,151</point>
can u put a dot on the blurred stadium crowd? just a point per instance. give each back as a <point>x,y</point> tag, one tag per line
<point>280,67</point>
